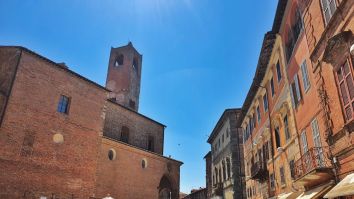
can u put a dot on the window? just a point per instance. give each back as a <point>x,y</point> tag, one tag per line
<point>223,138</point>
<point>135,64</point>
<point>286,128</point>
<point>293,34</point>
<point>282,176</point>
<point>304,141</point>
<point>124,136</point>
<point>111,154</point>
<point>277,137</point>
<point>119,60</point>
<point>292,168</point>
<point>305,76</point>
<point>223,170</point>
<point>63,105</point>
<point>266,151</point>
<point>228,165</point>
<point>278,71</point>
<point>272,86</point>
<point>258,114</point>
<point>316,133</point>
<point>220,176</point>
<point>346,88</point>
<point>265,102</point>
<point>271,180</point>
<point>227,132</point>
<point>328,9</point>
<point>144,163</point>
<point>151,142</point>
<point>295,92</point>
<point>252,125</point>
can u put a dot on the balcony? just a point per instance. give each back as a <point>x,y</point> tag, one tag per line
<point>259,171</point>
<point>313,167</point>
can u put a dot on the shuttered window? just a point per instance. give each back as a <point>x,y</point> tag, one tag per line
<point>316,133</point>
<point>295,91</point>
<point>304,141</point>
<point>305,76</point>
<point>328,9</point>
<point>346,88</point>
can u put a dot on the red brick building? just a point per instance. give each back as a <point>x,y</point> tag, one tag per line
<point>64,136</point>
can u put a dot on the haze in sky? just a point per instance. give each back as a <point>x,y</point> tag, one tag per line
<point>199,56</point>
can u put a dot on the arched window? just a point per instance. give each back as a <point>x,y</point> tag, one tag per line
<point>217,174</point>
<point>228,165</point>
<point>124,137</point>
<point>135,64</point>
<point>220,176</point>
<point>223,171</point>
<point>119,60</point>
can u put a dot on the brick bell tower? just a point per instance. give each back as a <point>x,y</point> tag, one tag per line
<point>124,75</point>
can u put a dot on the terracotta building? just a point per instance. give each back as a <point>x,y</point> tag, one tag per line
<point>226,167</point>
<point>298,128</point>
<point>64,136</point>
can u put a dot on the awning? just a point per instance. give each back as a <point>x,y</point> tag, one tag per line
<point>343,188</point>
<point>284,195</point>
<point>313,193</point>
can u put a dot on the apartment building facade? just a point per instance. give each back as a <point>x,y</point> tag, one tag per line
<point>303,147</point>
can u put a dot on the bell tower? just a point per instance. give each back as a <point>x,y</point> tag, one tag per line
<point>124,75</point>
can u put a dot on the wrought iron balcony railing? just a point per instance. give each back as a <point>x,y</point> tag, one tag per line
<point>314,159</point>
<point>259,171</point>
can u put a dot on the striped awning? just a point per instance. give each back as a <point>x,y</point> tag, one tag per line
<point>343,188</point>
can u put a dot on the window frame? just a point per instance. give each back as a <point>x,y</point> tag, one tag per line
<point>305,146</point>
<point>345,82</point>
<point>258,114</point>
<point>278,69</point>
<point>67,100</point>
<point>305,76</point>
<point>282,176</point>
<point>272,87</point>
<point>286,128</point>
<point>324,9</point>
<point>265,103</point>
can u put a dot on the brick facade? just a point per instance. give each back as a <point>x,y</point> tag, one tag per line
<point>63,153</point>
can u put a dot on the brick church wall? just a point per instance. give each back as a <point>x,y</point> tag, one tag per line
<point>124,176</point>
<point>140,127</point>
<point>35,165</point>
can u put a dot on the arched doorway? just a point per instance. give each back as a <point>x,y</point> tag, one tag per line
<point>166,189</point>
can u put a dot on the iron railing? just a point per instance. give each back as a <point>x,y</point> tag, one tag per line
<point>315,158</point>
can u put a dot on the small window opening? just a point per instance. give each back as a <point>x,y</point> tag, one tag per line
<point>111,154</point>
<point>124,134</point>
<point>135,64</point>
<point>143,163</point>
<point>119,61</point>
<point>151,143</point>
<point>63,105</point>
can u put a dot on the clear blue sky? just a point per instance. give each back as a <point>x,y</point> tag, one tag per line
<point>199,56</point>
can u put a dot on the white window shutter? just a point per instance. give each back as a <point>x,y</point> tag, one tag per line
<point>297,87</point>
